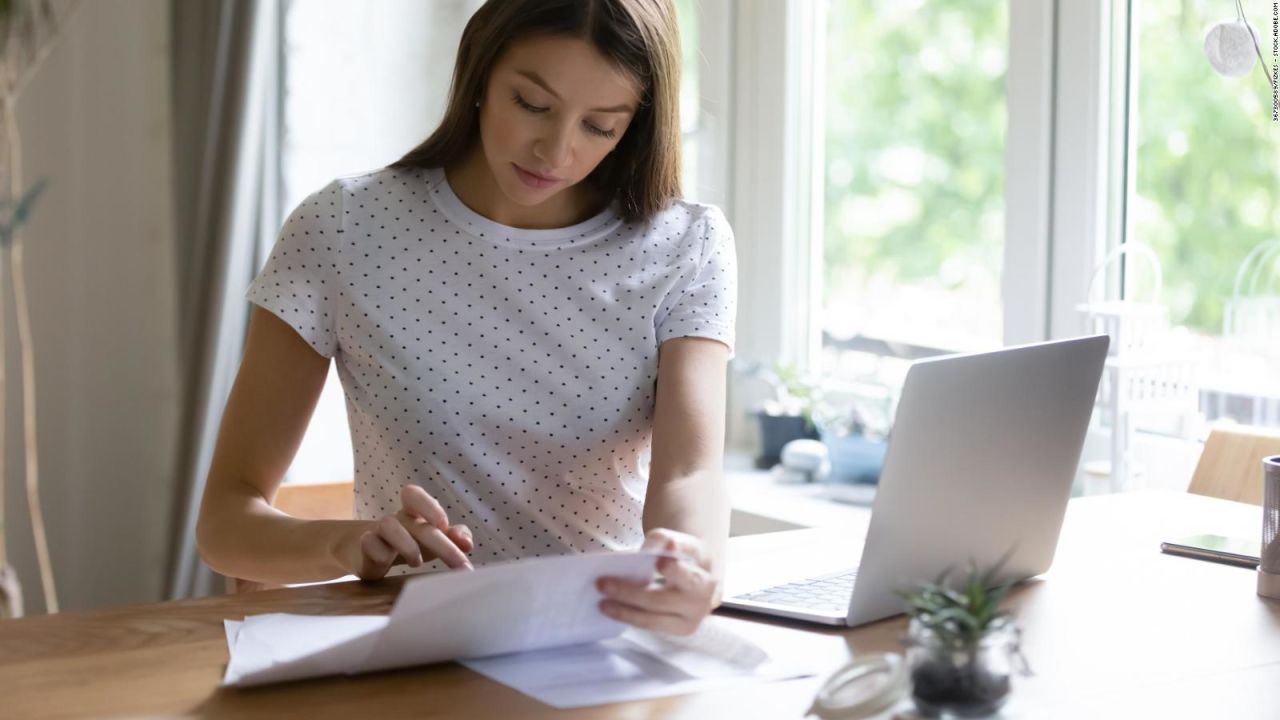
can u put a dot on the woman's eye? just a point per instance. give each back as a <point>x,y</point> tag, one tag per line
<point>531,108</point>
<point>515,97</point>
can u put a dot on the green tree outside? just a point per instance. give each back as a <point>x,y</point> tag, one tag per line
<point>915,135</point>
<point>1208,157</point>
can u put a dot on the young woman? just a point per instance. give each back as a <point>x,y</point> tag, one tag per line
<point>530,325</point>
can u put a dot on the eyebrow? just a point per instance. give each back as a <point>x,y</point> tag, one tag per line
<point>533,76</point>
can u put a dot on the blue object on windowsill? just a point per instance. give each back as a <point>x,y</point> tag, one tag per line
<point>855,459</point>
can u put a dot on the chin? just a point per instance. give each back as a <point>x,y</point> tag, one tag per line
<point>526,197</point>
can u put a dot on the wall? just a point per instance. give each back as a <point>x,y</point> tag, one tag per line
<point>100,276</point>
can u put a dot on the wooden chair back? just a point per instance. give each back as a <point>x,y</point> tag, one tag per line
<point>309,501</point>
<point>1231,465</point>
<point>316,501</point>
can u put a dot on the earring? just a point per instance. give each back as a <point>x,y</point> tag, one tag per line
<point>477,103</point>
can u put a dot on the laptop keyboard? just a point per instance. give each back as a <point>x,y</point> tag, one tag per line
<point>828,593</point>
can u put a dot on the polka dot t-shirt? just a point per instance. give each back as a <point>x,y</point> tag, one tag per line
<point>509,372</point>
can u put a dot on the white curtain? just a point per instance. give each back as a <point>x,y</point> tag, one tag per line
<point>226,87</point>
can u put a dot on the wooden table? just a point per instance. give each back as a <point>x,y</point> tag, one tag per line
<point>1114,629</point>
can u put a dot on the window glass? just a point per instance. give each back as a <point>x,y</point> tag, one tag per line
<point>1205,195</point>
<point>913,190</point>
<point>914,171</point>
<point>690,118</point>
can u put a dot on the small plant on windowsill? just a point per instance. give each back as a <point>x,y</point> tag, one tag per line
<point>794,395</point>
<point>789,414</point>
<point>962,649</point>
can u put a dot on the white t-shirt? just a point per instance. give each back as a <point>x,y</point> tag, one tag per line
<point>509,372</point>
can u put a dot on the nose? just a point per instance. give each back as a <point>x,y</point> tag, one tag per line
<point>556,147</point>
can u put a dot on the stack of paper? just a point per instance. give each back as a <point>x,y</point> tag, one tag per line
<point>533,625</point>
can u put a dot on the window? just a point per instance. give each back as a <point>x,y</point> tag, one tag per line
<point>690,115</point>
<point>1204,193</point>
<point>914,181</point>
<point>913,154</point>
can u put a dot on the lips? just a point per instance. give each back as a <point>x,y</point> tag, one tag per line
<point>539,176</point>
<point>533,180</point>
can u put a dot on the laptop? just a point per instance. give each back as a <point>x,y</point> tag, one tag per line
<point>980,463</point>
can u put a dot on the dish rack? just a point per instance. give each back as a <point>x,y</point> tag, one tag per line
<point>1251,318</point>
<point>1147,374</point>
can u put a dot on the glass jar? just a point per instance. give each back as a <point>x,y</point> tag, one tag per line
<point>963,678</point>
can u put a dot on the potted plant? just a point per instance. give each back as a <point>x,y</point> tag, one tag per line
<point>788,415</point>
<point>28,29</point>
<point>854,431</point>
<point>962,649</point>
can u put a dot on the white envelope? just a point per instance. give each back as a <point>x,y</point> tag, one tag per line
<point>502,608</point>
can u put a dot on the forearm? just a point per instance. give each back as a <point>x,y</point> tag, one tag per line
<point>240,535</point>
<point>697,504</point>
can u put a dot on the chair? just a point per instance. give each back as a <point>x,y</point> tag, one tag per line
<point>310,501</point>
<point>1231,465</point>
<point>316,501</point>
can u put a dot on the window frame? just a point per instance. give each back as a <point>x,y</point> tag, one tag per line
<point>1056,196</point>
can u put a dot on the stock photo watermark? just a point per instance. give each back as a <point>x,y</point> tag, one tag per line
<point>1275,62</point>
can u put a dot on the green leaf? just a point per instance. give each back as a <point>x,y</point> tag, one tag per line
<point>960,614</point>
<point>21,213</point>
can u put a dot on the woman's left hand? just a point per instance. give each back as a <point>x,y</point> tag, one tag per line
<point>676,602</point>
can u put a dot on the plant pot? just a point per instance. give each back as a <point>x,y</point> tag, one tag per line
<point>778,430</point>
<point>963,679</point>
<point>855,459</point>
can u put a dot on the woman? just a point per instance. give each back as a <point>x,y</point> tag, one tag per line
<point>530,325</point>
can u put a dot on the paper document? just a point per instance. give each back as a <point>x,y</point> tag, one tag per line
<point>640,664</point>
<point>503,608</point>
<point>278,647</point>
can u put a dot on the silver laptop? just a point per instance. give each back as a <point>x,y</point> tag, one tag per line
<point>983,453</point>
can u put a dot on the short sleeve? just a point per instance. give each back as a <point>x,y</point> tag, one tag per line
<point>297,283</point>
<point>706,305</point>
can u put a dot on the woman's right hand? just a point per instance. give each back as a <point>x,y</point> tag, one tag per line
<point>418,533</point>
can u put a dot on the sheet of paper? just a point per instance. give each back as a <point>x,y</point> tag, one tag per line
<point>276,647</point>
<point>641,664</point>
<point>523,605</point>
<point>714,650</point>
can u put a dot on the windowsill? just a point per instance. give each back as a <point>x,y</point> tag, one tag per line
<point>759,503</point>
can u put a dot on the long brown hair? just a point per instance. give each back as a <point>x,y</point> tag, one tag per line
<point>640,37</point>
